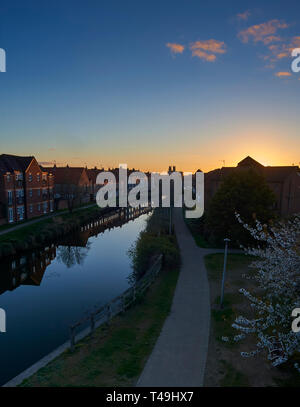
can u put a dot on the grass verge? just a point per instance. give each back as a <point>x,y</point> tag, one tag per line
<point>34,234</point>
<point>114,355</point>
<point>225,365</point>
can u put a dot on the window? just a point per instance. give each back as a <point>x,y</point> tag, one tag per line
<point>39,207</point>
<point>20,212</point>
<point>30,193</point>
<point>51,206</point>
<point>39,192</point>
<point>9,197</point>
<point>8,178</point>
<point>30,208</point>
<point>30,177</point>
<point>45,206</point>
<point>38,177</point>
<point>10,215</point>
<point>44,177</point>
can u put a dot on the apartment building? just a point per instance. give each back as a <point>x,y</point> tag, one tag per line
<point>26,191</point>
<point>72,185</point>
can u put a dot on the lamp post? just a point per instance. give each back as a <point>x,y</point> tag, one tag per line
<point>224,271</point>
<point>170,221</point>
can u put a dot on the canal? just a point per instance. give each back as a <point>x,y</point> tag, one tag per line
<point>45,291</point>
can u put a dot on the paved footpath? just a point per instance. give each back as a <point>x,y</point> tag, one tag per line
<point>179,356</point>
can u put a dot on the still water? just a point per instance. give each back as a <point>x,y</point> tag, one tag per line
<point>46,291</point>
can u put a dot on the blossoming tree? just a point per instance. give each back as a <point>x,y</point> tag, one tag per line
<point>277,278</point>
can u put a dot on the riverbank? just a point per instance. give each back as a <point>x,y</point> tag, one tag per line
<point>116,354</point>
<point>43,231</point>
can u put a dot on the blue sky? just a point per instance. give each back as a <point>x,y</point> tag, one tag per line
<point>155,83</point>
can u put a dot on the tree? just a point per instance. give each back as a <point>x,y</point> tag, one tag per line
<point>72,255</point>
<point>278,287</point>
<point>245,192</point>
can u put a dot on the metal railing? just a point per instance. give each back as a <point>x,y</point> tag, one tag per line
<point>118,305</point>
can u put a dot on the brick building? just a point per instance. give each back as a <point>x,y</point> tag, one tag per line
<point>284,182</point>
<point>26,191</point>
<point>72,184</point>
<point>94,188</point>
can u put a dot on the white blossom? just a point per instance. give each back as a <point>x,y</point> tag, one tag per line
<point>277,278</point>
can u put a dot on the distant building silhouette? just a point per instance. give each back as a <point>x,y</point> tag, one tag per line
<point>283,180</point>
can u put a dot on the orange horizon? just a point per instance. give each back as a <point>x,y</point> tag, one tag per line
<point>161,168</point>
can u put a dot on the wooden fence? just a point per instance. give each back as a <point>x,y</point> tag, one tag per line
<point>118,305</point>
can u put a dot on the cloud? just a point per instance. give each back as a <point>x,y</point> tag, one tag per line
<point>264,32</point>
<point>208,49</point>
<point>243,16</point>
<point>283,49</point>
<point>175,48</point>
<point>283,74</point>
<point>276,46</point>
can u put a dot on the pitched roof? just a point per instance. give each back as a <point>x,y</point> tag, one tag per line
<point>66,175</point>
<point>271,174</point>
<point>249,162</point>
<point>92,174</point>
<point>9,163</point>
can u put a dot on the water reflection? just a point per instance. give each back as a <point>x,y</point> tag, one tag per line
<point>71,250</point>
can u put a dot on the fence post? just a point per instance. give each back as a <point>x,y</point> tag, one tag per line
<point>72,339</point>
<point>108,313</point>
<point>123,305</point>
<point>134,292</point>
<point>92,322</point>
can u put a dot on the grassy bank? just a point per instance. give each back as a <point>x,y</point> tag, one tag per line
<point>155,240</point>
<point>39,233</point>
<point>114,355</point>
<point>225,365</point>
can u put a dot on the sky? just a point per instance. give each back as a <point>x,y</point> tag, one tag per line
<point>150,83</point>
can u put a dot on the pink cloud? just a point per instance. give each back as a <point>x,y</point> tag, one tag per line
<point>207,49</point>
<point>175,48</point>
<point>262,32</point>
<point>283,74</point>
